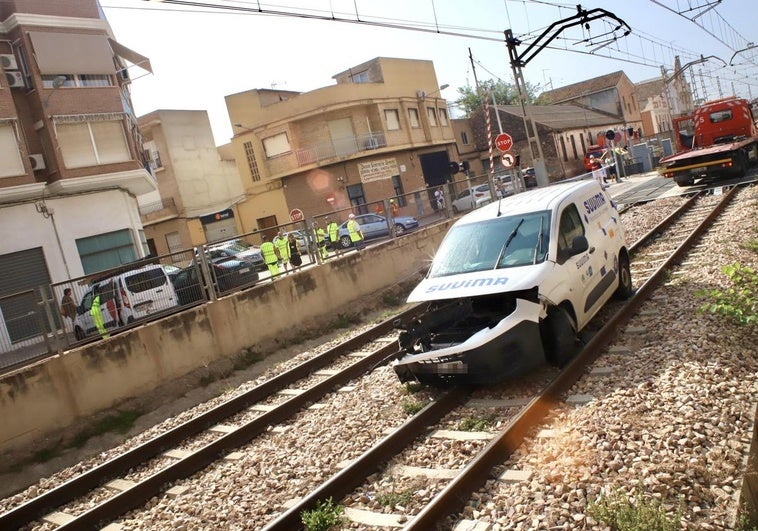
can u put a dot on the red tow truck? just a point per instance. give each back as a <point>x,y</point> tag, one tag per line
<point>720,139</point>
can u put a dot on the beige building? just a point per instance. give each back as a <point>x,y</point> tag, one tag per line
<point>198,184</point>
<point>382,130</point>
<point>663,98</point>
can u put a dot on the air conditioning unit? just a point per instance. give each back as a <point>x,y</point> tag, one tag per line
<point>15,79</point>
<point>420,94</point>
<point>8,60</point>
<point>37,161</point>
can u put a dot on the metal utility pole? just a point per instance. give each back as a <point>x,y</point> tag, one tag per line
<point>519,61</point>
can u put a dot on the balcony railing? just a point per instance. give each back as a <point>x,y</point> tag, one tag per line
<point>340,147</point>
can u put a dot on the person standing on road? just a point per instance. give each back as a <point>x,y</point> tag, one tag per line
<point>356,235</point>
<point>294,252</point>
<point>270,256</point>
<point>283,246</point>
<point>68,307</point>
<point>394,208</point>
<point>334,235</point>
<point>94,311</point>
<point>440,198</point>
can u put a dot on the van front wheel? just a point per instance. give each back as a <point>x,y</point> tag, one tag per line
<point>559,336</point>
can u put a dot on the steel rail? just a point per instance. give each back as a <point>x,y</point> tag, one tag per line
<point>346,480</point>
<point>668,221</point>
<point>80,485</point>
<point>456,493</point>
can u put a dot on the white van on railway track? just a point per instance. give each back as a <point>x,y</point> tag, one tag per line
<point>513,283</point>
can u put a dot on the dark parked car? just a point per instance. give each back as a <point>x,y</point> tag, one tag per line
<point>375,226</point>
<point>240,250</point>
<point>228,275</point>
<point>530,178</point>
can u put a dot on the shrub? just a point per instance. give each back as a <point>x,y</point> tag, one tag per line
<point>325,516</point>
<point>740,300</point>
<point>638,513</point>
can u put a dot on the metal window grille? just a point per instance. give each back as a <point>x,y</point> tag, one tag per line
<point>252,163</point>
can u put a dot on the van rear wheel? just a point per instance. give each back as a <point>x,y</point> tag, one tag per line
<point>625,289</point>
<point>559,336</point>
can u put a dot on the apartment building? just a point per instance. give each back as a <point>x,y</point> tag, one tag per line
<point>71,164</point>
<point>382,130</point>
<point>199,186</point>
<point>70,152</point>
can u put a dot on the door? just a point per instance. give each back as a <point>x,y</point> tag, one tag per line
<point>224,229</point>
<point>23,270</point>
<point>343,137</point>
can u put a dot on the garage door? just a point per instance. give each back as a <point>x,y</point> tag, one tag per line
<point>22,270</point>
<point>220,230</point>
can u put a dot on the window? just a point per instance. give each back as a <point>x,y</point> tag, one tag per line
<point>105,251</point>
<point>357,198</point>
<point>393,121</point>
<point>10,157</point>
<point>413,117</point>
<point>443,117</point>
<point>252,164</point>
<point>581,139</point>
<point>432,115</point>
<point>464,138</point>
<point>276,145</point>
<point>151,155</point>
<point>77,80</point>
<point>563,149</point>
<point>573,147</point>
<point>360,77</point>
<point>721,116</point>
<point>571,227</point>
<point>397,185</point>
<point>90,143</point>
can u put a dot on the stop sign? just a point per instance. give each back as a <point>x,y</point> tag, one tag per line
<point>504,142</point>
<point>296,215</point>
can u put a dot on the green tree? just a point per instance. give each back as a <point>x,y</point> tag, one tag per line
<point>505,94</point>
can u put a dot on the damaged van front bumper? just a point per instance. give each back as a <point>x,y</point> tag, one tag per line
<point>503,350</point>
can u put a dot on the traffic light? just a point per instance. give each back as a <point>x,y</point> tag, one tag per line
<point>465,166</point>
<point>517,160</point>
<point>454,168</point>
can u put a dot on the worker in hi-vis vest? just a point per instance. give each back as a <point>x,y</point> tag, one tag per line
<point>334,235</point>
<point>283,246</point>
<point>270,256</point>
<point>354,230</point>
<point>321,242</point>
<point>94,311</point>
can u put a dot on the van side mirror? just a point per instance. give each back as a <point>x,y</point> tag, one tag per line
<point>579,245</point>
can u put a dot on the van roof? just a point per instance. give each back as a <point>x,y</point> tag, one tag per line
<point>95,278</point>
<point>546,198</point>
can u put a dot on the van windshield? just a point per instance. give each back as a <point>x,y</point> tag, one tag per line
<point>503,242</point>
<point>145,280</point>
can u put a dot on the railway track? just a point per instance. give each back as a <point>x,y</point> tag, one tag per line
<point>224,429</point>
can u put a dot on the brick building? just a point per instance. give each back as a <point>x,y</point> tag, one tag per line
<point>71,161</point>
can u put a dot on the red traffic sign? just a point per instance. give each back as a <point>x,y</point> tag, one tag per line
<point>504,142</point>
<point>330,198</point>
<point>508,160</point>
<point>296,215</point>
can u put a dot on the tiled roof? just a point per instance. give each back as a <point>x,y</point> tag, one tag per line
<point>562,117</point>
<point>590,86</point>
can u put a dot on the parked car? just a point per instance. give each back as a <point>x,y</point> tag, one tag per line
<point>466,199</point>
<point>239,250</point>
<point>376,226</point>
<point>126,297</point>
<point>530,178</point>
<point>228,275</point>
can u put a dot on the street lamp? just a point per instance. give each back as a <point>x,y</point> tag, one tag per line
<point>424,95</point>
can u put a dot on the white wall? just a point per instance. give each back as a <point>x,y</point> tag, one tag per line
<point>75,216</point>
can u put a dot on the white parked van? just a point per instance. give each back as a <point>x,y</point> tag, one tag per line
<point>512,284</point>
<point>127,297</point>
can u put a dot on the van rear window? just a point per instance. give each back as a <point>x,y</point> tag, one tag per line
<point>145,280</point>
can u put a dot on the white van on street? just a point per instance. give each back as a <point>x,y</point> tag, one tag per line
<point>127,297</point>
<point>513,283</point>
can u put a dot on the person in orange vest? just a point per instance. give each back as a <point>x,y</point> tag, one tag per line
<point>380,208</point>
<point>394,207</point>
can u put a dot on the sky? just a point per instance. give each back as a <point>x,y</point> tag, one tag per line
<point>200,55</point>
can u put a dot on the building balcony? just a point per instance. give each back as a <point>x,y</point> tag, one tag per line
<point>158,210</point>
<point>341,147</point>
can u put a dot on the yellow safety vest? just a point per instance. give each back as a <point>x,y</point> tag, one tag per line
<point>284,247</point>
<point>320,234</point>
<point>353,228</point>
<point>333,229</point>
<point>269,253</point>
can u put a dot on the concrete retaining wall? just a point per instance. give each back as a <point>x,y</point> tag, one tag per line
<point>46,398</point>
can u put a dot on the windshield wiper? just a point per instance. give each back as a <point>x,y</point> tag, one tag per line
<point>508,242</point>
<point>538,248</point>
